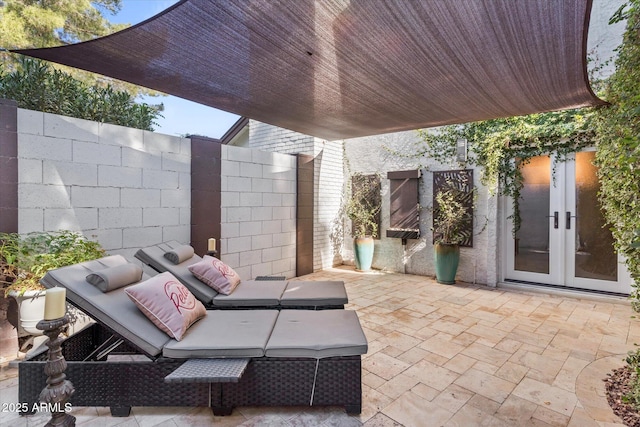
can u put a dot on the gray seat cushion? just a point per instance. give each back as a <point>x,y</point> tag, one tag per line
<point>154,257</point>
<point>113,309</point>
<point>317,334</point>
<point>225,333</point>
<point>253,293</point>
<point>318,293</point>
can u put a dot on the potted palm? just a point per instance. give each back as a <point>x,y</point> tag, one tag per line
<point>363,209</point>
<point>25,259</point>
<point>451,219</point>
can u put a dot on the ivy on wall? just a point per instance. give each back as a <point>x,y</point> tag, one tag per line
<point>617,130</point>
<point>502,146</point>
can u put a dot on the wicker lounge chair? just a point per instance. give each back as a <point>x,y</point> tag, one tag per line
<point>250,293</point>
<point>228,358</point>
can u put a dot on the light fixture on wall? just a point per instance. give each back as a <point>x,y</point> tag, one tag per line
<point>461,150</point>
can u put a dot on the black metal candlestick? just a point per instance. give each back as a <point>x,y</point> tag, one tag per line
<point>58,389</point>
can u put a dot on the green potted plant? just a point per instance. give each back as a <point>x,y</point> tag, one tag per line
<point>363,208</point>
<point>25,259</point>
<point>451,227</point>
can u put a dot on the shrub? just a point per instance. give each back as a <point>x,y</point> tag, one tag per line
<point>35,85</point>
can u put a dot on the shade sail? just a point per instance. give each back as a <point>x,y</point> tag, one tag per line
<point>346,68</point>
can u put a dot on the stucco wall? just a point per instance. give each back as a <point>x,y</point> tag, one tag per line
<point>377,154</point>
<point>127,187</point>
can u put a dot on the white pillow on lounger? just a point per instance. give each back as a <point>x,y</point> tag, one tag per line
<point>167,303</point>
<point>216,274</point>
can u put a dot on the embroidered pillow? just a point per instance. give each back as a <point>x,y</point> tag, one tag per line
<point>179,254</point>
<point>167,303</point>
<point>116,277</point>
<point>216,274</point>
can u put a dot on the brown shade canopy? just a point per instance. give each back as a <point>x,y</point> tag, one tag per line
<point>346,68</point>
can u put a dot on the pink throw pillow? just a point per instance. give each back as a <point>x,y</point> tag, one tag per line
<point>216,274</point>
<point>167,303</point>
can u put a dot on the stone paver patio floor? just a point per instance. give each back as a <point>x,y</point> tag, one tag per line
<point>451,355</point>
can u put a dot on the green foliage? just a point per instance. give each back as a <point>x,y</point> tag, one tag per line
<point>451,217</point>
<point>364,204</point>
<point>46,23</point>
<point>37,86</point>
<point>618,142</point>
<point>25,259</point>
<point>503,146</point>
<point>633,397</point>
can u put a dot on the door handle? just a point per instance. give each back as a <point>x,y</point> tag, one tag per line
<point>568,220</point>
<point>556,218</point>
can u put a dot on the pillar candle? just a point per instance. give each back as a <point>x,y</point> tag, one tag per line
<point>55,305</point>
<point>212,245</point>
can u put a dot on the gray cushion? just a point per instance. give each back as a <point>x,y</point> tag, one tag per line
<point>113,309</point>
<point>116,277</point>
<point>179,254</point>
<point>224,333</point>
<point>317,334</point>
<point>318,293</point>
<point>252,293</point>
<point>154,257</point>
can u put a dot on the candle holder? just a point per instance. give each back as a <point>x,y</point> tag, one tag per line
<point>58,390</point>
<point>213,253</point>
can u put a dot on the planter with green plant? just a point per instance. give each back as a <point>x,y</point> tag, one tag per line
<point>25,259</point>
<point>451,220</point>
<point>363,209</point>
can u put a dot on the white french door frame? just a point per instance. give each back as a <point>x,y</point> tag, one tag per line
<point>562,241</point>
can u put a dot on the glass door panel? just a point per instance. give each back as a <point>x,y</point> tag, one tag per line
<point>594,254</point>
<point>532,239</point>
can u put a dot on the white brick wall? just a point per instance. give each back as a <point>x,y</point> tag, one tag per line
<point>327,186</point>
<point>255,187</point>
<point>129,188</point>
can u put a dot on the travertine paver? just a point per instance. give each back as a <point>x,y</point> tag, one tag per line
<point>451,355</point>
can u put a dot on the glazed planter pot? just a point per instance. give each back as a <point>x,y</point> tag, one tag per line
<point>363,252</point>
<point>447,258</point>
<point>31,309</point>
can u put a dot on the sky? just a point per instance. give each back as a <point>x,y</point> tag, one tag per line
<point>180,116</point>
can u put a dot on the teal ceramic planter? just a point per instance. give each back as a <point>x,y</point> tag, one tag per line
<point>363,252</point>
<point>447,258</point>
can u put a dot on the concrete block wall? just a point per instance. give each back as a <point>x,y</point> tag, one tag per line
<point>258,229</point>
<point>375,154</point>
<point>127,187</point>
<point>327,187</point>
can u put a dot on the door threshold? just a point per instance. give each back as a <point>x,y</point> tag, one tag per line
<point>564,291</point>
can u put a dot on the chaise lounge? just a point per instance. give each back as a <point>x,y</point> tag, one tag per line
<point>277,294</point>
<point>228,358</point>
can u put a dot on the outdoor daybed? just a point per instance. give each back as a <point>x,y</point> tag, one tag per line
<point>250,293</point>
<point>228,358</point>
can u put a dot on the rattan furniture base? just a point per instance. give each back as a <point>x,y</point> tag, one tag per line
<point>121,385</point>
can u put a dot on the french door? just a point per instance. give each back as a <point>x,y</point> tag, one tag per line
<point>563,239</point>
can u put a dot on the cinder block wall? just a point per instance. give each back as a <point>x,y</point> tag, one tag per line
<point>127,187</point>
<point>327,186</point>
<point>258,229</point>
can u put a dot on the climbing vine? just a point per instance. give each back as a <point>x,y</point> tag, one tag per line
<point>502,146</point>
<point>618,140</point>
